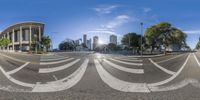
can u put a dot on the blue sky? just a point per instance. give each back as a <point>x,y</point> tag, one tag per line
<point>73,18</point>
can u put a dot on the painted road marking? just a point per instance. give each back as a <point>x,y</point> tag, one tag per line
<point>128,63</point>
<point>148,56</point>
<point>12,58</point>
<point>196,59</point>
<point>55,62</point>
<point>130,70</point>
<point>54,69</point>
<point>125,59</point>
<point>53,86</point>
<point>175,86</point>
<point>64,83</point>
<point>162,68</point>
<point>17,69</point>
<point>55,77</point>
<point>172,77</point>
<point>16,81</point>
<point>119,84</point>
<point>170,59</point>
<point>52,59</point>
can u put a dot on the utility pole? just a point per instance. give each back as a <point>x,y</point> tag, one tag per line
<point>141,37</point>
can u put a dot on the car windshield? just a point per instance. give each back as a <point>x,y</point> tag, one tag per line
<point>99,50</point>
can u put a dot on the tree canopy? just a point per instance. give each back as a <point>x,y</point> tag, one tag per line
<point>164,34</point>
<point>132,40</point>
<point>4,42</point>
<point>198,45</point>
<point>68,44</point>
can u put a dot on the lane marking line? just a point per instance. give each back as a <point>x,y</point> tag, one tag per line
<point>196,59</point>
<point>118,84</point>
<point>17,69</point>
<point>148,56</point>
<point>170,58</point>
<point>54,69</point>
<point>12,58</point>
<point>55,77</point>
<point>172,77</point>
<point>175,86</point>
<point>16,81</point>
<point>64,83</point>
<point>130,70</point>
<point>125,59</point>
<point>55,62</point>
<point>52,59</point>
<point>162,68</point>
<point>128,63</point>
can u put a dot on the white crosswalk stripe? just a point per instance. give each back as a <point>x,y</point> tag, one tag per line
<point>119,84</point>
<point>128,63</point>
<point>17,69</point>
<point>54,69</point>
<point>162,68</point>
<point>55,62</point>
<point>130,70</point>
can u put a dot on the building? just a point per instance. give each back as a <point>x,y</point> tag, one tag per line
<point>95,42</point>
<point>85,39</point>
<point>89,44</point>
<point>23,36</point>
<point>113,39</point>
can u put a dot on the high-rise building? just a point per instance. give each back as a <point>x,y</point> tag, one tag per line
<point>85,39</point>
<point>95,41</point>
<point>113,39</point>
<point>89,43</point>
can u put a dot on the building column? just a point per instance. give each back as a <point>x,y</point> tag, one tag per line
<point>30,37</point>
<point>4,36</point>
<point>8,37</point>
<point>13,39</point>
<point>20,38</point>
<point>39,34</point>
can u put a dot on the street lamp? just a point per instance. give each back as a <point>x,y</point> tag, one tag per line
<point>129,40</point>
<point>141,37</point>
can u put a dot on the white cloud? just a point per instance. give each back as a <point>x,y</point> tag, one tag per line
<point>117,21</point>
<point>192,32</point>
<point>105,9</point>
<point>102,31</point>
<point>146,10</point>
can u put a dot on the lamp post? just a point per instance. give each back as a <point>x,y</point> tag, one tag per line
<point>141,37</point>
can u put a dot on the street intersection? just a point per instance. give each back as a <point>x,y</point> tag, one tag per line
<point>89,75</point>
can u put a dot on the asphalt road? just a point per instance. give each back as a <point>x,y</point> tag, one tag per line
<point>93,76</point>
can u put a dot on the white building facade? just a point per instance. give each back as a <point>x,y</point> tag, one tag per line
<point>23,35</point>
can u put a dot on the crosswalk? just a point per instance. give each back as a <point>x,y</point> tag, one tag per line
<point>131,65</point>
<point>125,86</point>
<point>58,63</point>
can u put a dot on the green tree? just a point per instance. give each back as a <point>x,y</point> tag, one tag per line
<point>4,42</point>
<point>67,44</point>
<point>164,34</point>
<point>132,40</point>
<point>198,45</point>
<point>46,42</point>
<point>112,46</point>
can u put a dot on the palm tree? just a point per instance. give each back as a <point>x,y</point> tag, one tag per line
<point>46,42</point>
